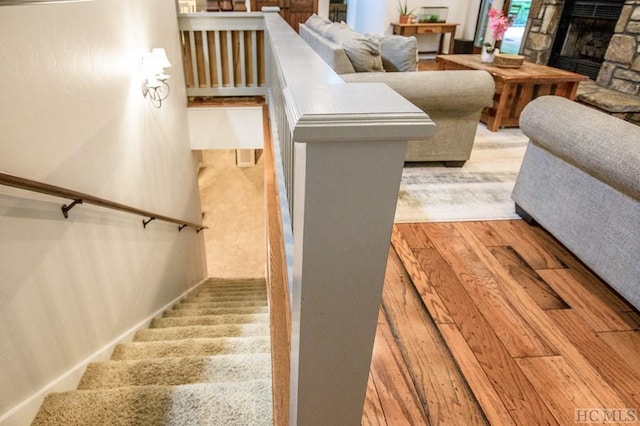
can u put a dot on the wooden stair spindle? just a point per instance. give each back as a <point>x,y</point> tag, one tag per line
<point>239,6</point>
<point>226,5</point>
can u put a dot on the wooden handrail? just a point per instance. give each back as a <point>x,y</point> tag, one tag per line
<point>277,285</point>
<point>79,197</point>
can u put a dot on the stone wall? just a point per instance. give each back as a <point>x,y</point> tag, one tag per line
<point>540,32</point>
<point>617,89</point>
<point>621,68</point>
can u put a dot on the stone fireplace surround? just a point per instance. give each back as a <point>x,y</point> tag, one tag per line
<point>583,35</point>
<point>620,71</point>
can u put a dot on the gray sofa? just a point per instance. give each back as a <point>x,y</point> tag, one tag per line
<point>580,180</point>
<point>452,99</point>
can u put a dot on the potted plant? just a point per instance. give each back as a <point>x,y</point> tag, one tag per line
<point>499,24</point>
<point>404,11</point>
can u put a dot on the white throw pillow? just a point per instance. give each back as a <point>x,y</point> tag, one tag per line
<point>316,23</point>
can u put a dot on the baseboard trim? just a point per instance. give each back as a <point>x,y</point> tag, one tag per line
<point>23,413</point>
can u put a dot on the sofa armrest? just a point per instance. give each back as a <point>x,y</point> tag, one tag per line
<point>462,91</point>
<point>603,146</point>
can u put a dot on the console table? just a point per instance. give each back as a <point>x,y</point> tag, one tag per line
<point>515,87</point>
<point>441,28</point>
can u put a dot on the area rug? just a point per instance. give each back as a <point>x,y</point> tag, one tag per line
<point>480,190</point>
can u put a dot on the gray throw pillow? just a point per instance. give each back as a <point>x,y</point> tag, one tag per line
<point>363,52</point>
<point>399,53</point>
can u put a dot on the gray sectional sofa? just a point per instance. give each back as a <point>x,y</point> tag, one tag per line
<point>452,99</point>
<point>580,180</point>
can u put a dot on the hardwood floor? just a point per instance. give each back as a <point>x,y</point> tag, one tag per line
<point>497,323</point>
<point>428,65</point>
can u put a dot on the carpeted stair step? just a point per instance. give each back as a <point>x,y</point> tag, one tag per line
<point>201,331</point>
<point>227,293</point>
<point>225,297</point>
<point>223,303</point>
<point>258,286</point>
<point>230,292</point>
<point>236,283</point>
<point>238,403</point>
<point>176,371</point>
<point>190,347</point>
<point>231,304</point>
<point>209,320</point>
<point>207,361</point>
<point>242,288</point>
<point>216,311</point>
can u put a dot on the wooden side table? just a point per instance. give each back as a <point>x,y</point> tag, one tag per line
<point>515,87</point>
<point>428,28</point>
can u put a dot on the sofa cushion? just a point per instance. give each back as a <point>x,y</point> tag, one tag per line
<point>399,53</point>
<point>363,52</point>
<point>333,30</point>
<point>317,23</point>
<point>329,51</point>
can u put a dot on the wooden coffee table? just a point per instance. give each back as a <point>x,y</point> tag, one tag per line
<point>515,87</point>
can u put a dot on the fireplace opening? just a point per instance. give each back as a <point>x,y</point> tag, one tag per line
<point>584,33</point>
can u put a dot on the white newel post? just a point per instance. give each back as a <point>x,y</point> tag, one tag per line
<point>339,264</point>
<point>347,168</point>
<point>343,148</point>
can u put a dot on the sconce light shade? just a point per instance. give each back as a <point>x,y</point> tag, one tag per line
<point>161,56</point>
<point>154,83</point>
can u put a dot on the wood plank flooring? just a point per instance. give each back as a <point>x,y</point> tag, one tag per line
<point>497,323</point>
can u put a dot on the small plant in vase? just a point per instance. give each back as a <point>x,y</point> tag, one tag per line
<point>488,53</point>
<point>499,24</point>
<point>405,12</point>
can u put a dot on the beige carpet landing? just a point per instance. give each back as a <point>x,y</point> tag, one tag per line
<point>206,362</point>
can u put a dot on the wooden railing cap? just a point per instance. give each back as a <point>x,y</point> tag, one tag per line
<point>371,111</point>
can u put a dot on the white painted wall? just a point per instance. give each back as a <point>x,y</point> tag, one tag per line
<point>226,128</point>
<point>323,8</point>
<point>365,16</point>
<point>72,114</point>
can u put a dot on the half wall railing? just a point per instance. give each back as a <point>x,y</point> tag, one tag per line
<point>338,153</point>
<point>333,163</point>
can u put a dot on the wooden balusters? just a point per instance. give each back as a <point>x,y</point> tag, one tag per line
<point>223,54</point>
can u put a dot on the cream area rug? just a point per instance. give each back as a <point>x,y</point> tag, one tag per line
<point>481,190</point>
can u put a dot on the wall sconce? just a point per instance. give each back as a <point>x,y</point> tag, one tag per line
<point>154,84</point>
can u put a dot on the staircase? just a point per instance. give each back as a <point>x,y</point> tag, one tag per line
<point>205,362</point>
